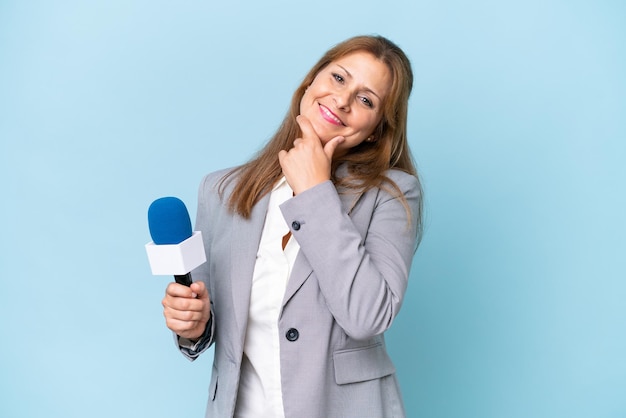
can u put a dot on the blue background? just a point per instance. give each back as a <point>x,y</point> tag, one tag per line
<point>517,300</point>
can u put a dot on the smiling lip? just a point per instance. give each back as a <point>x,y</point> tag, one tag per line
<point>330,116</point>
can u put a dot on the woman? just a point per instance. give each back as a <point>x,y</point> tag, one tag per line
<point>308,249</point>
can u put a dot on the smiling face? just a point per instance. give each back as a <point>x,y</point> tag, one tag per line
<point>346,98</point>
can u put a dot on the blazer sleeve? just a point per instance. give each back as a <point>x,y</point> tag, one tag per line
<point>191,349</point>
<point>203,218</point>
<point>363,278</point>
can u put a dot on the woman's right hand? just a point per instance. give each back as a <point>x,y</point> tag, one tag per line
<point>187,309</point>
<point>308,163</point>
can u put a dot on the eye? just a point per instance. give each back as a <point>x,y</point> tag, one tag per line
<point>367,102</point>
<point>338,78</point>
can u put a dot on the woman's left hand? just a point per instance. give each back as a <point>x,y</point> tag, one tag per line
<point>308,163</point>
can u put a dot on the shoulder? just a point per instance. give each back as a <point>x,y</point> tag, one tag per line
<point>214,180</point>
<point>217,185</point>
<point>402,178</point>
<point>407,184</point>
<point>392,177</point>
<point>402,189</point>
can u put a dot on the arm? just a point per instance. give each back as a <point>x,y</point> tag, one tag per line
<point>188,310</point>
<point>363,277</point>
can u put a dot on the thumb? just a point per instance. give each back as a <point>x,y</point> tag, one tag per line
<point>199,289</point>
<point>331,146</point>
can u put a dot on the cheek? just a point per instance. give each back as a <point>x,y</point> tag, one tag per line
<point>306,101</point>
<point>369,123</point>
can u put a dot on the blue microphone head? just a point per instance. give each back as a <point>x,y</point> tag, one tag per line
<point>169,221</point>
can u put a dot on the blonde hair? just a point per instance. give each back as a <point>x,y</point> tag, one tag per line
<point>366,162</point>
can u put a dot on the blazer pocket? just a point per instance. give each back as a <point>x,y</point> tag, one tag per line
<point>361,364</point>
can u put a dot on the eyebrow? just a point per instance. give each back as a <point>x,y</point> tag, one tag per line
<point>364,88</point>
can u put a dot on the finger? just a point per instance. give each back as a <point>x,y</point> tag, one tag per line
<point>331,146</point>
<point>181,327</point>
<point>184,316</point>
<point>200,290</point>
<point>184,303</point>
<point>178,290</point>
<point>306,127</point>
<point>282,155</point>
<point>184,309</point>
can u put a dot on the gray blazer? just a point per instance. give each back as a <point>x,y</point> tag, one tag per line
<point>345,289</point>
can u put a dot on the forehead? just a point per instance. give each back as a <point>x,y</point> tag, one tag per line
<point>366,70</point>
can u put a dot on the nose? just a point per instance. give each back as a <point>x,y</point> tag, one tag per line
<point>342,100</point>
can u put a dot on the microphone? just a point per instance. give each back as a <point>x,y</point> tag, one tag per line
<point>175,249</point>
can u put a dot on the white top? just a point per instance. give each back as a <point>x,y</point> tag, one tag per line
<point>260,393</point>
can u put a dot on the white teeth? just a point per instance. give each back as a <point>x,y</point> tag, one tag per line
<point>330,115</point>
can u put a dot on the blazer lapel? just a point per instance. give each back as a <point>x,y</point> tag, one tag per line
<point>244,247</point>
<point>301,268</point>
<point>300,272</point>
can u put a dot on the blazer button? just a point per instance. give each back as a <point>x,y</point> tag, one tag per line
<point>295,225</point>
<point>292,334</point>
